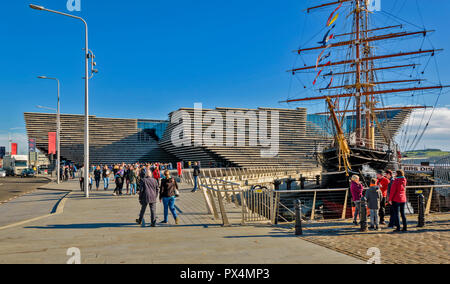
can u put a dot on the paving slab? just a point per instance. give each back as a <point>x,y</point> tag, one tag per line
<point>104,230</point>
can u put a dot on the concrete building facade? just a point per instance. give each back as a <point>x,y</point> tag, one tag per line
<point>113,140</point>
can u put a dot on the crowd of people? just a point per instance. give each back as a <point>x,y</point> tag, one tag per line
<point>67,172</point>
<point>152,181</point>
<point>384,190</point>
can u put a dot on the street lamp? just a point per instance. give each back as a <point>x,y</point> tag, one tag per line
<point>86,107</point>
<point>58,131</point>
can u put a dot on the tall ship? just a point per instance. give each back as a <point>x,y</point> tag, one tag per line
<point>354,67</point>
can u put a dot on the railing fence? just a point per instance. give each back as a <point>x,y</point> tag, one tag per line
<point>226,198</point>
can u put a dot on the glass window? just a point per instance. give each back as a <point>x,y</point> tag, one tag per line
<point>20,163</point>
<point>150,129</point>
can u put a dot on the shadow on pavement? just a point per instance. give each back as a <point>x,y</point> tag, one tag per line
<point>346,229</point>
<point>85,226</point>
<point>115,225</point>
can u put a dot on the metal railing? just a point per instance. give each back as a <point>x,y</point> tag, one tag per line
<point>245,174</point>
<point>224,197</point>
<point>337,203</point>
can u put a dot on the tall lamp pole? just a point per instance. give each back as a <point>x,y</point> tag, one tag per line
<point>86,107</point>
<point>58,131</point>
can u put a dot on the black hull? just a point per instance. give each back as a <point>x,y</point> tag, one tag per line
<point>333,177</point>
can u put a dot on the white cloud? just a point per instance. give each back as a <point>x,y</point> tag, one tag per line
<point>437,134</point>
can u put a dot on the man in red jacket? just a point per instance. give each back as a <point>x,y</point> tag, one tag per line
<point>383,184</point>
<point>397,199</point>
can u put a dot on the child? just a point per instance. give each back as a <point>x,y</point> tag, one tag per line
<point>374,197</point>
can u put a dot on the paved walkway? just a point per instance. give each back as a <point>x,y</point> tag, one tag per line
<point>103,228</point>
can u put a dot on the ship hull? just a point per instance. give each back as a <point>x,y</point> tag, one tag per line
<point>361,160</point>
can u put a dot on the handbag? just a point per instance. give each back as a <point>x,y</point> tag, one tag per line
<point>177,192</point>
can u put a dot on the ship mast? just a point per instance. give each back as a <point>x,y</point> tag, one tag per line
<point>364,88</point>
<point>357,18</point>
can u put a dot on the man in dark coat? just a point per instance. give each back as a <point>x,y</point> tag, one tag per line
<point>148,196</point>
<point>195,174</point>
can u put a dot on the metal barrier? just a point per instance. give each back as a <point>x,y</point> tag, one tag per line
<point>329,203</point>
<point>224,196</point>
<point>251,176</point>
<point>337,203</point>
<point>259,203</point>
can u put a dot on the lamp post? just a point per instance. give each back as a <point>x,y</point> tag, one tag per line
<point>86,107</point>
<point>58,130</point>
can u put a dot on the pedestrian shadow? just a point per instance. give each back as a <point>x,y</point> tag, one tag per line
<point>84,226</point>
<point>275,233</point>
<point>347,229</point>
<point>179,210</point>
<point>205,226</point>
<point>90,226</point>
<point>262,236</point>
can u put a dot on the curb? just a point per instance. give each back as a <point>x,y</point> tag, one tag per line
<point>55,189</point>
<point>57,211</point>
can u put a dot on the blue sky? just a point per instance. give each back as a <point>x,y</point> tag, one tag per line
<point>157,56</point>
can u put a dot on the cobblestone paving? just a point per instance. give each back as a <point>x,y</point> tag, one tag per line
<point>430,245</point>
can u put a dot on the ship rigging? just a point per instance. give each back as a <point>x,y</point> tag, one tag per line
<point>348,75</point>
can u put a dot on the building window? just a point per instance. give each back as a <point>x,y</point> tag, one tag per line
<point>151,130</point>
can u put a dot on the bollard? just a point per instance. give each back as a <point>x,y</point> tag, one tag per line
<point>277,184</point>
<point>363,214</point>
<point>317,180</point>
<point>289,183</point>
<point>302,182</point>
<point>421,221</point>
<point>298,218</point>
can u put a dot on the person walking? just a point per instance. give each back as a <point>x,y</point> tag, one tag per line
<point>138,179</point>
<point>66,173</point>
<point>126,172</point>
<point>390,177</point>
<point>82,178</point>
<point>195,174</point>
<point>397,199</point>
<point>132,180</point>
<point>147,197</point>
<point>97,176</point>
<point>374,198</point>
<point>90,180</point>
<point>167,195</point>
<point>61,173</point>
<point>119,181</point>
<point>74,171</point>
<point>383,184</point>
<point>156,173</point>
<point>105,175</point>
<point>356,190</point>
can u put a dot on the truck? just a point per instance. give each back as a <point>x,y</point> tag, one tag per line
<point>15,164</point>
